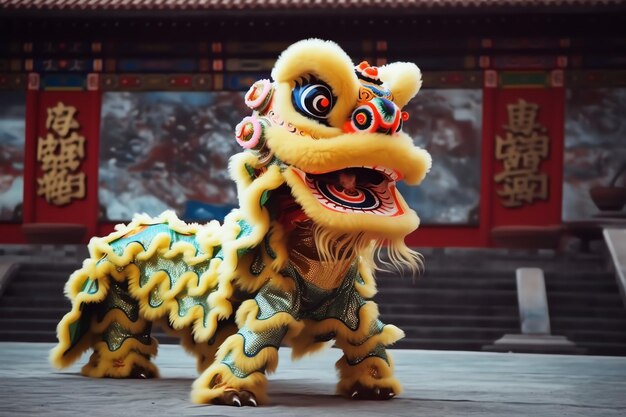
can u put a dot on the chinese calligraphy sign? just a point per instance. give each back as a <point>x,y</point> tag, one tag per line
<point>524,146</point>
<point>59,154</point>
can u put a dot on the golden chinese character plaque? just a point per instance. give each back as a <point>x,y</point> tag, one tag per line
<point>524,146</point>
<point>60,154</point>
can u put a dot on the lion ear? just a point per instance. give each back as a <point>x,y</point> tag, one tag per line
<point>404,80</point>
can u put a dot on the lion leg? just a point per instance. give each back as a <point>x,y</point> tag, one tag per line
<point>123,347</point>
<point>368,378</point>
<point>366,368</point>
<point>237,376</point>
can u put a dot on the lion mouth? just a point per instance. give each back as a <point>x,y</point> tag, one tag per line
<point>369,190</point>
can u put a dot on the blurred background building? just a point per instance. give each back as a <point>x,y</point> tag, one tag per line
<point>112,107</point>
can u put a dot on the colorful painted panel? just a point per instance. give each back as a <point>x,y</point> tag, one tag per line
<point>595,148</point>
<point>12,125</point>
<point>447,122</point>
<point>168,150</point>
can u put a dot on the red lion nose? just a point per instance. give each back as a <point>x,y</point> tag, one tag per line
<point>379,115</point>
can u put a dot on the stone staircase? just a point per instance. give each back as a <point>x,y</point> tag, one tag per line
<point>448,311</point>
<point>34,303</point>
<point>588,309</point>
<point>466,299</point>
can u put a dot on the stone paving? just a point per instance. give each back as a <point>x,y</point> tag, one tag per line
<point>436,384</point>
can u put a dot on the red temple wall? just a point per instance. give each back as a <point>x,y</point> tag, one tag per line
<point>545,90</point>
<point>492,212</point>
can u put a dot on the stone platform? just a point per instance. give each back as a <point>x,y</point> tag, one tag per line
<point>436,384</point>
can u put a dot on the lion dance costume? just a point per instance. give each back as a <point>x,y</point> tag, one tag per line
<point>323,151</point>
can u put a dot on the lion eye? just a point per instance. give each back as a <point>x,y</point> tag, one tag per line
<point>313,99</point>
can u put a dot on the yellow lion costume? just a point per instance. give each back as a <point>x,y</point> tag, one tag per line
<point>324,149</point>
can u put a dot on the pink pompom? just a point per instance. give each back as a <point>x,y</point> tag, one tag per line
<point>248,132</point>
<point>256,95</point>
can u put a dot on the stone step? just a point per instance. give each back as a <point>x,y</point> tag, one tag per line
<point>32,266</point>
<point>446,283</point>
<point>440,320</point>
<point>579,276</point>
<point>51,268</point>
<point>559,325</point>
<point>495,260</point>
<point>564,324</point>
<point>28,336</point>
<point>577,312</point>
<point>31,313</point>
<point>584,300</point>
<point>49,336</point>
<point>449,296</point>
<point>35,325</point>
<point>604,349</point>
<point>495,297</point>
<point>35,302</point>
<point>36,289</point>
<point>389,306</point>
<point>441,344</point>
<point>596,336</point>
<point>508,284</point>
<point>606,286</point>
<point>471,273</point>
<point>43,277</point>
<point>457,333</point>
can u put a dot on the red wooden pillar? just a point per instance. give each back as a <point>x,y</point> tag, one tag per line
<point>92,131</point>
<point>490,84</point>
<point>30,148</point>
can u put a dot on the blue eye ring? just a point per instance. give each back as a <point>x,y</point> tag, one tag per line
<point>313,99</point>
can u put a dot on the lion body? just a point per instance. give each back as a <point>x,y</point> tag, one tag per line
<point>293,265</point>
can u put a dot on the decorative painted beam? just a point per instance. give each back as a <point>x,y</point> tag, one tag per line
<point>157,82</point>
<point>12,81</point>
<point>452,79</point>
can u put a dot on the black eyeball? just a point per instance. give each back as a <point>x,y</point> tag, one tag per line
<point>314,99</point>
<point>363,119</point>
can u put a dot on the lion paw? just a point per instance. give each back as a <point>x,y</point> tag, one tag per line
<point>236,398</point>
<point>361,392</point>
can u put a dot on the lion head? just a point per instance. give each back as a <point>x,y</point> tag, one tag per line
<point>331,134</point>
